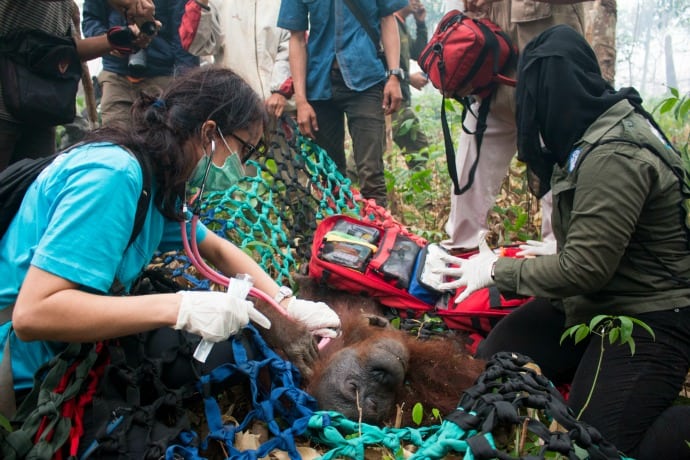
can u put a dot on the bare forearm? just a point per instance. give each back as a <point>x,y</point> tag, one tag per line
<point>298,64</point>
<point>93,47</point>
<point>391,41</point>
<point>231,260</point>
<point>51,308</point>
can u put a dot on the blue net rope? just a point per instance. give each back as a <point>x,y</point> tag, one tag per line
<point>272,214</point>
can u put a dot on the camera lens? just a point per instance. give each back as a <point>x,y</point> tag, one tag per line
<point>149,28</point>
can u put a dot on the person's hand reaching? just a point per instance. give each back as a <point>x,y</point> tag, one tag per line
<point>533,248</point>
<point>135,10</point>
<point>473,273</point>
<point>318,317</point>
<point>215,316</point>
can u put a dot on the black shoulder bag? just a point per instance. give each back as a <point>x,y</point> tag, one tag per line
<point>40,74</point>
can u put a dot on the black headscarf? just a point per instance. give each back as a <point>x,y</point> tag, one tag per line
<point>560,93</point>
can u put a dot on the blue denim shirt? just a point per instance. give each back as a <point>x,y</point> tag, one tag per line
<point>165,55</point>
<point>335,33</point>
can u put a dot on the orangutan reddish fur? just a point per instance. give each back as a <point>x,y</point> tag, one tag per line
<point>439,368</point>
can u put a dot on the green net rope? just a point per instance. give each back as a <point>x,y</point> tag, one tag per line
<point>273,211</point>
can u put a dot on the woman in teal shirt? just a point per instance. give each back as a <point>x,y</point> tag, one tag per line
<point>69,241</point>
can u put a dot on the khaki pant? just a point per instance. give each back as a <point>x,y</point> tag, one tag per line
<point>119,93</point>
<point>468,212</point>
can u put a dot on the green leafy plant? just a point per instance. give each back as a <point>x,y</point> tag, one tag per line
<point>5,423</point>
<point>418,413</point>
<point>515,220</point>
<point>616,329</point>
<point>674,114</point>
<point>677,104</point>
<point>423,326</point>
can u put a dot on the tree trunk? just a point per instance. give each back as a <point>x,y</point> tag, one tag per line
<point>647,26</point>
<point>671,79</point>
<point>601,34</point>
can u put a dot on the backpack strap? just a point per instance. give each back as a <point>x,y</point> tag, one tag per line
<point>144,199</point>
<point>8,404</point>
<point>479,137</point>
<point>357,13</point>
<point>495,48</point>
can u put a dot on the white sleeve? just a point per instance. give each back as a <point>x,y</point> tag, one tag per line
<point>453,5</point>
<point>209,35</point>
<point>281,66</point>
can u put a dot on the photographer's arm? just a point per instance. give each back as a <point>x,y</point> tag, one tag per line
<point>95,47</point>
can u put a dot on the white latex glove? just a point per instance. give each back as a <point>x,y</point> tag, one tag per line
<point>215,316</point>
<point>473,273</point>
<point>317,316</point>
<point>537,248</point>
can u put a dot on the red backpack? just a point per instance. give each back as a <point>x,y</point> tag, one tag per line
<point>482,309</point>
<point>467,53</point>
<point>382,260</point>
<point>367,258</point>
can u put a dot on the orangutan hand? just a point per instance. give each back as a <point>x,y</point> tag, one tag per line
<point>289,338</point>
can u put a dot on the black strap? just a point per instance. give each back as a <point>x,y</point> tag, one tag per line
<point>494,297</point>
<point>8,405</point>
<point>354,9</point>
<point>499,398</point>
<point>450,149</point>
<point>144,199</point>
<point>492,46</point>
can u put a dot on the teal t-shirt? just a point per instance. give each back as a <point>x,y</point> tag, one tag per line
<point>75,222</point>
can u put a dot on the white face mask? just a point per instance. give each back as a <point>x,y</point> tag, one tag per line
<point>217,178</point>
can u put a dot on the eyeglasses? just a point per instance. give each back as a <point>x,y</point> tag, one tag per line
<point>249,149</point>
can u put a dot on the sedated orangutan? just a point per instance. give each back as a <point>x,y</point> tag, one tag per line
<point>372,368</point>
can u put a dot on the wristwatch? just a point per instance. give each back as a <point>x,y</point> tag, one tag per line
<point>399,73</point>
<point>283,293</point>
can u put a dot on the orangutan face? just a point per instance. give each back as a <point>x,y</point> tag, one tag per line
<point>362,381</point>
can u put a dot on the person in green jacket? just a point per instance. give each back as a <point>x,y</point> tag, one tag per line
<point>619,190</point>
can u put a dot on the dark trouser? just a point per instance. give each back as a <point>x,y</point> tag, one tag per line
<point>633,396</point>
<point>409,137</point>
<point>24,140</point>
<point>366,123</point>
